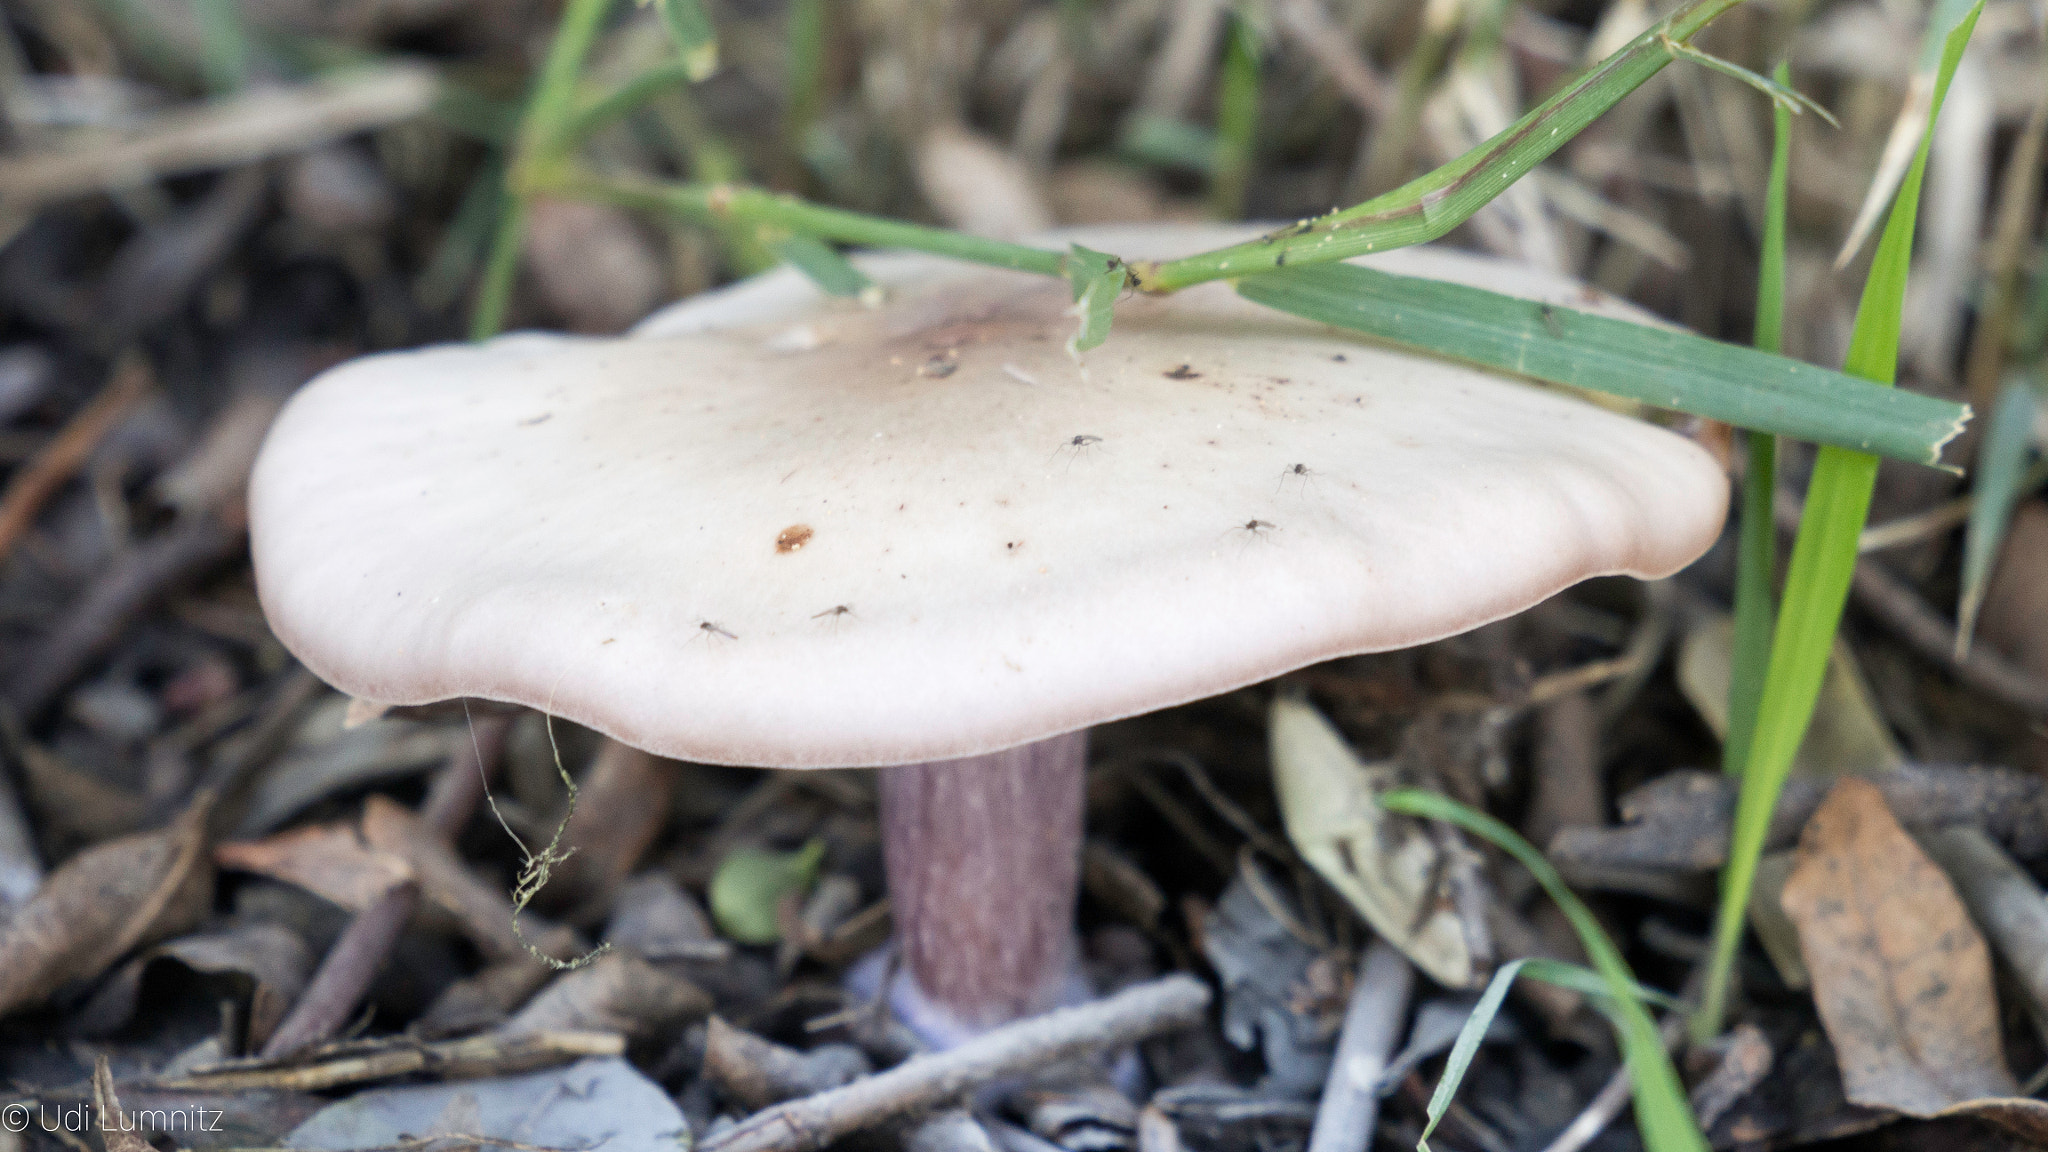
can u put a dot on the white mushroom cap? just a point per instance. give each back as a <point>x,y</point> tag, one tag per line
<point>772,530</point>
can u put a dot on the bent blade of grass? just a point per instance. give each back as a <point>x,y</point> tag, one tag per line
<point>1466,1047</point>
<point>1658,366</point>
<point>1756,557</point>
<point>1433,204</point>
<point>804,86</point>
<point>1663,1116</point>
<point>2001,477</point>
<point>625,99</point>
<point>1823,563</point>
<point>1778,87</point>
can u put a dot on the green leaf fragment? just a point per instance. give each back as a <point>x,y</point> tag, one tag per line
<point>1657,366</point>
<point>750,885</point>
<point>832,272</point>
<point>690,26</point>
<point>1097,279</point>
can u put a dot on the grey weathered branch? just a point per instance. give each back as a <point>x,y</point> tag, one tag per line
<point>813,1122</point>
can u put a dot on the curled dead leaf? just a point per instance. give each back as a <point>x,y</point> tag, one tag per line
<point>1385,865</point>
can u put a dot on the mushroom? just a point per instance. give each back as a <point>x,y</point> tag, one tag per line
<point>772,529</point>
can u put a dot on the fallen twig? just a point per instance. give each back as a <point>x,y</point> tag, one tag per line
<point>472,1058</point>
<point>2004,901</point>
<point>1889,599</point>
<point>106,608</point>
<point>814,1122</point>
<point>1350,1106</point>
<point>1894,602</point>
<point>234,130</point>
<point>62,457</point>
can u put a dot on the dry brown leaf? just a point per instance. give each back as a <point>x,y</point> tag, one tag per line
<point>328,860</point>
<point>1901,977</point>
<point>102,904</point>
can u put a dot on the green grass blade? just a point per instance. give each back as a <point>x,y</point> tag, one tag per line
<point>1237,119</point>
<point>1756,556</point>
<point>1823,562</point>
<point>834,274</point>
<point>1659,366</point>
<point>1466,1047</point>
<point>2001,477</point>
<point>804,92</point>
<point>465,241</point>
<point>501,269</point>
<point>1663,1115</point>
<point>723,204</point>
<point>538,146</point>
<point>1433,204</point>
<point>1777,86</point>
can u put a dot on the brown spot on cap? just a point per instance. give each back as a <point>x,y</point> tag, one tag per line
<point>793,537</point>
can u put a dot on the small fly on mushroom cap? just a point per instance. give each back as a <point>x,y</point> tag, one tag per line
<point>421,533</point>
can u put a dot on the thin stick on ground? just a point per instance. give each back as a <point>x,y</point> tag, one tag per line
<point>1891,600</point>
<point>66,453</point>
<point>218,134</point>
<point>1924,630</point>
<point>814,1122</point>
<point>114,600</point>
<point>1350,1106</point>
